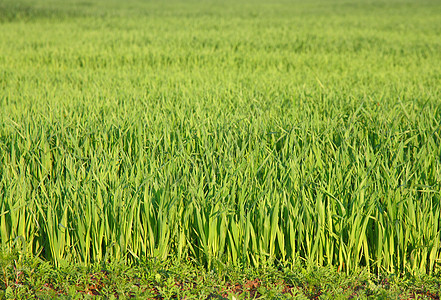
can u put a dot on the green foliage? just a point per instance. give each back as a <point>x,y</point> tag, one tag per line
<point>224,133</point>
<point>151,279</point>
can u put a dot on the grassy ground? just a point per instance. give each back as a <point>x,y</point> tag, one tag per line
<point>24,277</point>
<point>243,134</point>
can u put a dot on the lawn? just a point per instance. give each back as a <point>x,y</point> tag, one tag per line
<point>226,137</point>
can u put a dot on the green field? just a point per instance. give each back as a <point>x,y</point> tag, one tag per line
<point>235,133</point>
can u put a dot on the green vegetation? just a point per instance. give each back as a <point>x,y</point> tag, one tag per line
<point>29,277</point>
<point>228,133</point>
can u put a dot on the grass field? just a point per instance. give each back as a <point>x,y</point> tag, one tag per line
<point>235,133</point>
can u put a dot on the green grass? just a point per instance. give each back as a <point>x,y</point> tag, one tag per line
<point>237,133</point>
<point>26,277</point>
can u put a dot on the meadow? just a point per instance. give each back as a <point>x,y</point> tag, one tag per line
<point>225,133</point>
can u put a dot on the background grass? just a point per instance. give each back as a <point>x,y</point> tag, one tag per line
<point>233,132</point>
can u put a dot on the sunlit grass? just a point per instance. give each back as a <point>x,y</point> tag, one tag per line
<point>232,133</point>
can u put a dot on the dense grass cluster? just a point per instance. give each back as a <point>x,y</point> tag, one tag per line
<point>225,132</point>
